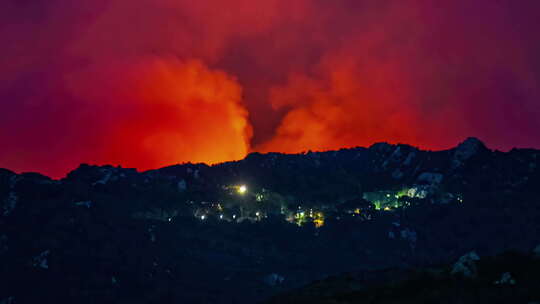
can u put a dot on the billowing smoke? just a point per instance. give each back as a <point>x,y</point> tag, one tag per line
<point>149,83</point>
<point>158,112</point>
<point>420,74</point>
<point>145,114</point>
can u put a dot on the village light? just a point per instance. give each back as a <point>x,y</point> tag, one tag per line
<point>203,217</point>
<point>242,189</point>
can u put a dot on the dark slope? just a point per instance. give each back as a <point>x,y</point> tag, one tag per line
<point>506,278</point>
<point>184,234</point>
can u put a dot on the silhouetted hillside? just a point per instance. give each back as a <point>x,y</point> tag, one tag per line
<point>241,232</point>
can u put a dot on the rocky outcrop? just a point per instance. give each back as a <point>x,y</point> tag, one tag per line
<point>41,260</point>
<point>465,150</point>
<point>506,279</point>
<point>114,235</point>
<point>430,178</point>
<point>427,285</point>
<point>466,265</point>
<point>274,279</point>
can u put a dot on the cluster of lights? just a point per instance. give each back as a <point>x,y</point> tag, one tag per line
<point>203,217</point>
<point>300,217</point>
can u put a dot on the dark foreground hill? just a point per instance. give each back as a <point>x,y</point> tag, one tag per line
<point>244,231</point>
<point>506,278</point>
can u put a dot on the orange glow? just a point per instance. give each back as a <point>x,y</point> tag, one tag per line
<point>150,83</point>
<point>164,112</point>
<point>351,103</point>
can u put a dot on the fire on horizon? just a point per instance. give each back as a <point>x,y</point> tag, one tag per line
<point>151,83</point>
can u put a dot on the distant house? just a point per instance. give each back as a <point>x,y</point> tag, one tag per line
<point>356,207</point>
<point>382,199</point>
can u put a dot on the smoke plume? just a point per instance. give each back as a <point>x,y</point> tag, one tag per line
<point>150,83</point>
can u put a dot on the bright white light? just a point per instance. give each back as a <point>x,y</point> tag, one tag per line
<point>242,189</point>
<point>234,216</point>
<point>257,213</point>
<point>221,216</point>
<point>203,217</point>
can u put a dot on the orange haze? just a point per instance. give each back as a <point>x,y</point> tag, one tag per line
<point>164,111</point>
<point>150,83</point>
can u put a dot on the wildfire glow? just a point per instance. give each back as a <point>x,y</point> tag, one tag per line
<point>167,111</point>
<point>147,84</point>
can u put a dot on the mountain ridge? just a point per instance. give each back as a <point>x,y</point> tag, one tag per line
<point>376,145</point>
<point>243,231</point>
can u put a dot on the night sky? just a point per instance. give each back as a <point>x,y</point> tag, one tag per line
<point>149,83</point>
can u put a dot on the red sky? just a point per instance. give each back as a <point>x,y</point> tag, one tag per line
<point>149,83</point>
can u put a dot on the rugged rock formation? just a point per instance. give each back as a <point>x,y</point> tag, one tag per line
<point>185,234</point>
